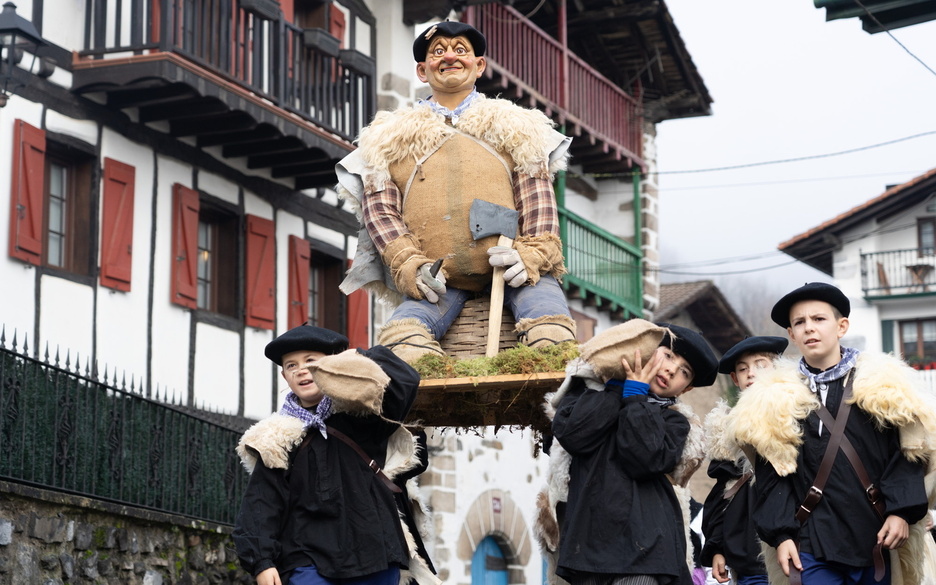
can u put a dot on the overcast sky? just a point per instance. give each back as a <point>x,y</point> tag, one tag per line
<point>786,84</point>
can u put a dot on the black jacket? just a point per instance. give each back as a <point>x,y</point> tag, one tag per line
<point>328,508</point>
<point>843,528</point>
<point>622,515</point>
<point>728,525</point>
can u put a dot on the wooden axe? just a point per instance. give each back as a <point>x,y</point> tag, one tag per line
<point>491,219</point>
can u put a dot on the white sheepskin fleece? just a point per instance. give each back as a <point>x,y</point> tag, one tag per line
<point>270,439</point>
<point>411,133</point>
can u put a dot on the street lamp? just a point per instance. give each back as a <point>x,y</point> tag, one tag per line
<point>16,36</point>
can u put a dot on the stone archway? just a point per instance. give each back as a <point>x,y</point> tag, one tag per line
<point>495,514</point>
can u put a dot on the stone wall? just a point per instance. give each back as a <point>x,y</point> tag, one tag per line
<point>48,538</point>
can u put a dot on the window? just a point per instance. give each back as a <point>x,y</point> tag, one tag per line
<point>217,261</point>
<point>204,254</point>
<point>918,341</point>
<point>326,302</point>
<point>68,210</point>
<point>926,234</point>
<point>51,214</point>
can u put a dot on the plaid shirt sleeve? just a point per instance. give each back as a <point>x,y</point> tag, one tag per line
<point>383,215</point>
<point>536,203</point>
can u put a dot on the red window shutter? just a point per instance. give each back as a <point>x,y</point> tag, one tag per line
<point>27,193</point>
<point>300,255</point>
<point>185,207</point>
<point>288,8</point>
<point>336,23</point>
<point>117,224</point>
<point>359,319</point>
<point>261,273</point>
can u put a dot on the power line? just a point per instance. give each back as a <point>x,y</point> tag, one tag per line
<point>885,29</point>
<point>787,181</point>
<point>795,159</point>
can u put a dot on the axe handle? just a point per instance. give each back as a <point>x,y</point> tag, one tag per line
<point>496,312</point>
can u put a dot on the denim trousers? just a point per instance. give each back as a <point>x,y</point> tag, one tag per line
<point>525,302</point>
<point>310,576</point>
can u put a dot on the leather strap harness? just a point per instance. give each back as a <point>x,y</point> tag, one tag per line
<point>838,441</point>
<point>367,458</point>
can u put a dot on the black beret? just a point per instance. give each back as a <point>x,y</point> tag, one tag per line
<point>761,344</point>
<point>811,291</point>
<point>305,338</point>
<point>693,347</point>
<point>449,29</point>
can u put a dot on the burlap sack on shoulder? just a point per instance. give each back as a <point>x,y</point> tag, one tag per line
<point>354,382</point>
<point>605,350</point>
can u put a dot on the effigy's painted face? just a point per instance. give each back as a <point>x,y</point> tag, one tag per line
<point>450,65</point>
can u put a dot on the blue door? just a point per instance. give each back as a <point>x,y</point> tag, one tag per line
<point>488,565</point>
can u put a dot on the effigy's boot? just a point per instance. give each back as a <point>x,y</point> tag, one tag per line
<point>409,339</point>
<point>546,330</point>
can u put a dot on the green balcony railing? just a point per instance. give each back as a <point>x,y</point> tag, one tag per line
<point>602,266</point>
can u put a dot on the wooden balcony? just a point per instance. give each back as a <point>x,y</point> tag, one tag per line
<point>899,273</point>
<point>604,270</point>
<point>230,74</point>
<point>528,66</point>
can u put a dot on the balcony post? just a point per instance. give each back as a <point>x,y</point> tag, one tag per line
<point>564,64</point>
<point>638,234</point>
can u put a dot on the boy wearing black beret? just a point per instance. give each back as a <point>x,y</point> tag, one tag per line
<point>632,450</point>
<point>842,438</point>
<point>730,537</point>
<point>315,511</point>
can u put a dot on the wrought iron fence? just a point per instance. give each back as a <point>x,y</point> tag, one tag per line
<point>71,431</point>
<point>899,272</point>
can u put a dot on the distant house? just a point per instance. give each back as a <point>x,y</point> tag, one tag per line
<point>882,254</point>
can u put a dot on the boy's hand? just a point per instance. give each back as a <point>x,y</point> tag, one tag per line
<point>894,533</point>
<point>786,554</point>
<point>642,373</point>
<point>719,570</point>
<point>269,577</point>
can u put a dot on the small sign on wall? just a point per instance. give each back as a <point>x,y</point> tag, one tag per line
<point>496,505</point>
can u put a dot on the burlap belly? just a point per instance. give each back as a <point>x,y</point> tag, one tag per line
<point>437,197</point>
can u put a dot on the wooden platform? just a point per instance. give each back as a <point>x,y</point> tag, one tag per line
<point>509,400</point>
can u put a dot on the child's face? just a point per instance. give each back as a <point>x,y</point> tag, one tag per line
<point>745,370</point>
<point>815,330</point>
<point>299,378</point>
<point>674,376</point>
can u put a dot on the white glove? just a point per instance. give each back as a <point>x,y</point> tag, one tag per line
<point>430,286</point>
<point>515,273</point>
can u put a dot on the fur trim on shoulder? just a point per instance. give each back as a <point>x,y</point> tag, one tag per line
<point>271,440</point>
<point>768,415</point>
<point>719,444</point>
<point>884,387</point>
<point>521,132</point>
<point>890,391</point>
<point>694,450</point>
<point>411,132</point>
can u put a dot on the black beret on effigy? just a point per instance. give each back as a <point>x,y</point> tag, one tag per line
<point>811,291</point>
<point>449,29</point>
<point>305,338</point>
<point>693,347</point>
<point>761,344</point>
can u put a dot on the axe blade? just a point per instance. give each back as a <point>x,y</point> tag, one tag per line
<point>491,219</point>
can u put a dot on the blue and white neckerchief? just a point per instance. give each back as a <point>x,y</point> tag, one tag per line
<point>451,114</point>
<point>659,400</point>
<point>819,383</point>
<point>309,417</point>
